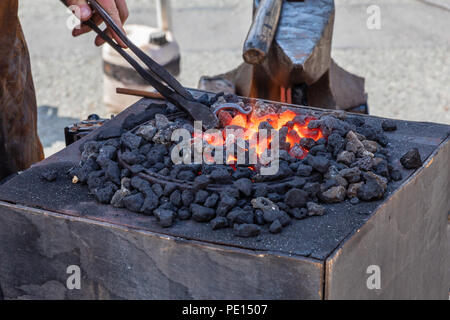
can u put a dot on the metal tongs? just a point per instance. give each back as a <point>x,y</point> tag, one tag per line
<point>156,75</point>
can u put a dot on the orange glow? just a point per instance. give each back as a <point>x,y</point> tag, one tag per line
<point>250,126</point>
<point>239,120</point>
<point>231,159</point>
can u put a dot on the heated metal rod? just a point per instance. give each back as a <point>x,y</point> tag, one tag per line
<point>140,93</point>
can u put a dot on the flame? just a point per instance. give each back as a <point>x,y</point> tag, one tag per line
<point>250,131</point>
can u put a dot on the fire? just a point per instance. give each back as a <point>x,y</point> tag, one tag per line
<point>249,125</point>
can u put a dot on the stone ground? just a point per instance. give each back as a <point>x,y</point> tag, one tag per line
<point>406,63</point>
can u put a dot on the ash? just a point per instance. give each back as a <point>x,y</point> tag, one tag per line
<point>130,167</point>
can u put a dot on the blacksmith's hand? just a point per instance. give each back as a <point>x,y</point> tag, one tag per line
<point>117,9</point>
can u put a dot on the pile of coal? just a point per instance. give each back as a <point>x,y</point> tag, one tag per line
<point>350,164</point>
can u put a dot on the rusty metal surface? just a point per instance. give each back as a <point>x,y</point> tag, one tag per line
<point>406,238</point>
<point>121,263</point>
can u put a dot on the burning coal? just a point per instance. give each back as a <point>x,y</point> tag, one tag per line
<point>320,159</point>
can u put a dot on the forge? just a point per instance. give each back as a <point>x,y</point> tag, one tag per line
<point>329,234</point>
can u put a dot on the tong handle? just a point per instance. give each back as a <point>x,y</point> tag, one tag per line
<point>157,70</point>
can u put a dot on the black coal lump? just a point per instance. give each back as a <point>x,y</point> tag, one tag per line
<point>335,143</point>
<point>275,227</point>
<point>164,172</point>
<point>304,170</point>
<point>134,202</point>
<point>259,217</point>
<point>296,182</point>
<point>186,175</point>
<point>370,191</point>
<point>96,179</point>
<point>312,188</point>
<point>167,206</point>
<point>246,230</point>
<point>211,201</point>
<point>389,125</point>
<point>320,148</point>
<point>261,191</point>
<point>244,185</point>
<point>132,157</point>
<point>88,166</point>
<point>169,188</point>
<point>157,189</point>
<point>155,155</point>
<point>231,98</point>
<point>187,197</point>
<point>184,214</point>
<point>221,175</point>
<point>357,121</point>
<point>216,97</point>
<point>232,192</point>
<point>201,196</point>
<point>226,203</point>
<point>373,133</point>
<point>307,143</point>
<point>109,132</point>
<point>108,151</point>
<point>411,159</point>
<point>296,198</point>
<point>145,148</point>
<point>382,169</point>
<point>164,200</point>
<point>112,173</point>
<point>131,141</point>
<point>105,194</point>
<point>201,213</point>
<point>319,163</point>
<point>165,217</point>
<point>242,173</point>
<point>275,197</point>
<point>394,173</point>
<point>151,202</point>
<point>201,182</point>
<point>141,185</point>
<point>49,174</point>
<point>298,213</point>
<point>175,198</point>
<point>219,223</point>
<point>242,202</point>
<point>125,173</point>
<point>238,215</point>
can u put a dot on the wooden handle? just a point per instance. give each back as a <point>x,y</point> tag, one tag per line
<point>139,93</point>
<point>262,31</point>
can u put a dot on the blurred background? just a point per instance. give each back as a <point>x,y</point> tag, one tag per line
<point>406,63</point>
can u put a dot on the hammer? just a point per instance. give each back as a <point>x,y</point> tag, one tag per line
<point>262,31</point>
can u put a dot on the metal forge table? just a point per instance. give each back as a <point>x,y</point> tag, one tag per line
<point>46,227</point>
